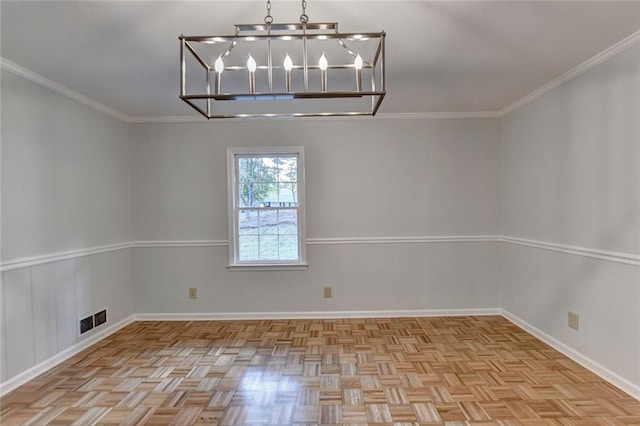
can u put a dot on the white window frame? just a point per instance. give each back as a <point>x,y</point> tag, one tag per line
<point>233,204</point>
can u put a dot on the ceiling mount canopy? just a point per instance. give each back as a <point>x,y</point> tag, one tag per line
<point>267,70</point>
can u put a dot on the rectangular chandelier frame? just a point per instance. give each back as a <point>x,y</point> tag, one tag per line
<point>316,95</point>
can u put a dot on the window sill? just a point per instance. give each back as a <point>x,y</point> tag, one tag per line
<point>269,267</point>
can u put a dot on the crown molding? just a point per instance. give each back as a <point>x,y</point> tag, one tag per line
<point>170,119</point>
<point>31,76</point>
<point>440,115</point>
<point>590,63</point>
<point>587,65</point>
<point>379,116</point>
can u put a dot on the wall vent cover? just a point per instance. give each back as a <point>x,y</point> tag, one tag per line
<point>86,324</point>
<point>100,318</point>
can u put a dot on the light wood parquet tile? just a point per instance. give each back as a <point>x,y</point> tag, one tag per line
<point>383,371</point>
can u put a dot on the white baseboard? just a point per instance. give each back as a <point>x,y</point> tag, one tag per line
<point>608,375</point>
<point>316,315</point>
<point>36,370</point>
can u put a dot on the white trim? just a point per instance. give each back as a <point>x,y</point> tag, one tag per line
<point>585,66</point>
<point>403,240</point>
<point>611,256</point>
<point>59,358</point>
<point>608,375</point>
<point>317,314</point>
<point>569,75</point>
<point>169,119</point>
<point>379,116</point>
<point>472,115</point>
<point>24,262</point>
<point>233,202</point>
<point>269,267</point>
<point>335,241</point>
<point>178,243</point>
<point>31,76</point>
<point>590,63</point>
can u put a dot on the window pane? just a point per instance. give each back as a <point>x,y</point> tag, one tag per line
<point>251,194</point>
<point>248,249</point>
<point>247,222</point>
<point>288,194</point>
<point>268,222</point>
<point>288,222</point>
<point>269,195</point>
<point>269,247</point>
<point>287,169</point>
<point>248,169</point>
<point>268,169</point>
<point>288,247</point>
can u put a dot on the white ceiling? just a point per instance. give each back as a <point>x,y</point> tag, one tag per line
<point>443,56</point>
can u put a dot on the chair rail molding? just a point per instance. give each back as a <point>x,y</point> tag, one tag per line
<point>611,256</point>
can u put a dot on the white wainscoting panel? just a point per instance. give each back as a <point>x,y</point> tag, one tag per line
<point>34,371</point>
<point>42,305</point>
<point>18,320</point>
<point>44,286</point>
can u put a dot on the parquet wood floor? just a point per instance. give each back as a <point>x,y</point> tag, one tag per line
<point>454,371</point>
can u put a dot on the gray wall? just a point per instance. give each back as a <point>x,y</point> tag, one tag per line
<point>66,173</point>
<point>570,165</point>
<point>65,186</point>
<point>373,178</point>
<point>562,170</point>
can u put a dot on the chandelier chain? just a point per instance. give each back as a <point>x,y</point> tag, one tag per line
<point>304,18</point>
<point>268,19</point>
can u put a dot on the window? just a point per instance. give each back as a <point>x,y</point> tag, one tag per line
<point>266,207</point>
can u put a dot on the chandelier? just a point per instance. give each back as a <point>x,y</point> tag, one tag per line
<point>267,70</point>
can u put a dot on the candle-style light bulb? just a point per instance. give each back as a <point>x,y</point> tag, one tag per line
<point>357,64</point>
<point>288,63</point>
<point>251,66</point>
<point>219,67</point>
<point>288,66</point>
<point>323,64</point>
